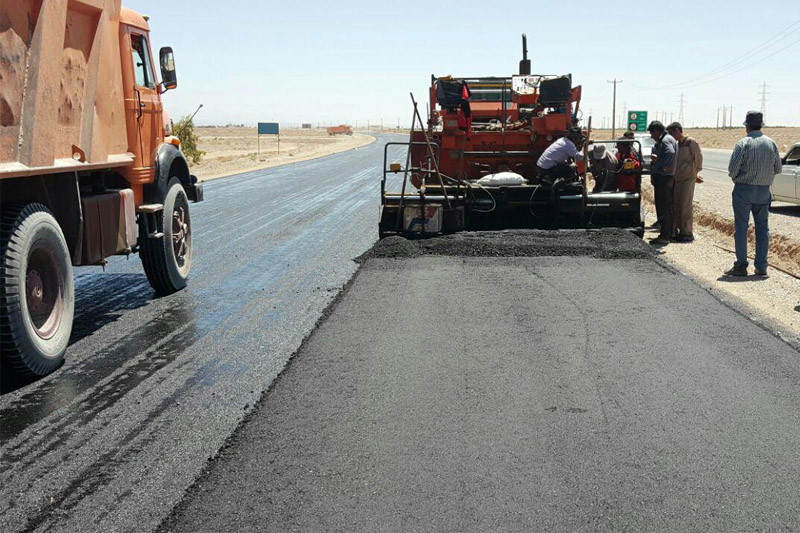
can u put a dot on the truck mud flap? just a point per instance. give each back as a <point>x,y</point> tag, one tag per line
<point>194,191</point>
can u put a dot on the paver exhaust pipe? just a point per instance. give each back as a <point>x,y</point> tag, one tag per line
<point>525,64</point>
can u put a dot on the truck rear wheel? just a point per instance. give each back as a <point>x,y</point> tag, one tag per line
<point>167,259</point>
<point>37,291</point>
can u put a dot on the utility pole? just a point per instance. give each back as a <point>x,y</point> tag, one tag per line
<point>730,122</point>
<point>764,94</point>
<point>717,118</point>
<point>681,117</point>
<point>615,81</point>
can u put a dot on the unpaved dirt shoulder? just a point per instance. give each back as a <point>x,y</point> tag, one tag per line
<point>230,152</point>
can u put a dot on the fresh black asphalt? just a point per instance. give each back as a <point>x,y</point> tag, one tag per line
<point>567,392</point>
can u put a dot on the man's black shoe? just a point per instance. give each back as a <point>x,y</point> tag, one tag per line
<point>760,272</point>
<point>736,270</point>
<point>685,238</point>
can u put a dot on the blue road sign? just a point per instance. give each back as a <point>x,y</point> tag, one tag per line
<point>268,128</point>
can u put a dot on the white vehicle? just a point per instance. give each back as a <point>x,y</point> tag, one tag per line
<point>647,148</point>
<point>786,187</point>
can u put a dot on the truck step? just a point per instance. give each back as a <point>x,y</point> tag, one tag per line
<point>150,208</point>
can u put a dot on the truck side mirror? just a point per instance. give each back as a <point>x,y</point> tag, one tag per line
<point>169,79</point>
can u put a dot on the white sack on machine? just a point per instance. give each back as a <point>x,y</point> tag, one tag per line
<point>502,178</point>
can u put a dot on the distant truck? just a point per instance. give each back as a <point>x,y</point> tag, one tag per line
<point>87,167</point>
<point>341,129</point>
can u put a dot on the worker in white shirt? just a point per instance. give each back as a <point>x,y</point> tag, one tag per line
<point>555,162</point>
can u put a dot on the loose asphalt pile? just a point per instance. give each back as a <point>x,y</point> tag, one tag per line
<point>602,244</point>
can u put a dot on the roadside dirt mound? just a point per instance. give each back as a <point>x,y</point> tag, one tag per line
<point>604,244</point>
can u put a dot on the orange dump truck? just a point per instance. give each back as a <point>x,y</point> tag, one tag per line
<point>87,167</point>
<point>341,129</point>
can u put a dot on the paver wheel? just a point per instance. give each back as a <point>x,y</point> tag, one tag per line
<point>37,291</point>
<point>167,259</point>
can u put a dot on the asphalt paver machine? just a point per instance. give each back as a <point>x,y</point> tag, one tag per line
<point>473,164</point>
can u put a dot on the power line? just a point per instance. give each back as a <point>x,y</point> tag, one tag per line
<point>717,73</point>
<point>760,60</point>
<point>680,113</point>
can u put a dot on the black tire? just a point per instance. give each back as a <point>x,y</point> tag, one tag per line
<point>37,290</point>
<point>165,262</point>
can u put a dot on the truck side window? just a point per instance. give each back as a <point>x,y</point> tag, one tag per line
<point>141,62</point>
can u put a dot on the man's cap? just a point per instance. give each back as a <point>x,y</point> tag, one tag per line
<point>754,118</point>
<point>656,125</point>
<point>599,151</point>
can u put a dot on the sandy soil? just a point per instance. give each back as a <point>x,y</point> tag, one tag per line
<point>712,138</point>
<point>772,301</point>
<point>235,150</point>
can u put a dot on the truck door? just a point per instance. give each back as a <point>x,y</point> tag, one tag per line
<point>785,184</point>
<point>147,102</point>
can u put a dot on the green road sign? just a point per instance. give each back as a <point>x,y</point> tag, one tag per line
<point>637,120</point>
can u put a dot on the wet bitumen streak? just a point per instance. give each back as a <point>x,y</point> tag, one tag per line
<point>264,243</point>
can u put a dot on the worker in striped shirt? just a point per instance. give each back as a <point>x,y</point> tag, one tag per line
<point>754,163</point>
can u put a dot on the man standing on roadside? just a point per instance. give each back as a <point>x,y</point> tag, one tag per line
<point>689,164</point>
<point>754,163</point>
<point>664,154</point>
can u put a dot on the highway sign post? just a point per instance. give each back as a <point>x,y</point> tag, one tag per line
<point>268,128</point>
<point>637,120</point>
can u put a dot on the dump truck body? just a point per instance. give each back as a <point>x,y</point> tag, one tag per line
<point>87,168</point>
<point>341,129</point>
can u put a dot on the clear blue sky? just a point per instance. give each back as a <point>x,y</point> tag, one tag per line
<point>347,61</point>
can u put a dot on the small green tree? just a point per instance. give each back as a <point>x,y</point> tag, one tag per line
<point>184,130</point>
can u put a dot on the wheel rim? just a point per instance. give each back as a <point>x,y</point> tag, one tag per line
<point>181,237</point>
<point>43,290</point>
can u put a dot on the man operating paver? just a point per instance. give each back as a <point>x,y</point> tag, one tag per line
<point>754,163</point>
<point>555,161</point>
<point>687,169</point>
<point>604,168</point>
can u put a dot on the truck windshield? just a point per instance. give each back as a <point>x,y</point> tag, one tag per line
<point>141,62</point>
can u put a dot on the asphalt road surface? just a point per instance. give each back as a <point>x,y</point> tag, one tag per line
<point>152,387</point>
<point>578,391</point>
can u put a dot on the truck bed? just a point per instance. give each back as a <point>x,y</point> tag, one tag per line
<point>61,100</point>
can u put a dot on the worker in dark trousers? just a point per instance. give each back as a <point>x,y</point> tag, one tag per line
<point>663,172</point>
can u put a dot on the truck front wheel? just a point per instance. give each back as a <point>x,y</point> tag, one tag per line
<point>37,291</point>
<point>167,259</point>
